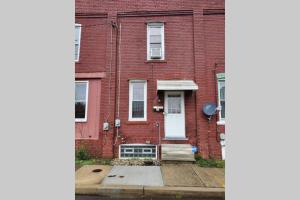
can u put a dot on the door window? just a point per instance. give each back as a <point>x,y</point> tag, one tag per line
<point>174,104</point>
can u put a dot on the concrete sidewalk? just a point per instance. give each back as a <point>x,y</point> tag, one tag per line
<point>177,181</point>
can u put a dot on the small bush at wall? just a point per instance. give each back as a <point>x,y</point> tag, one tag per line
<point>82,153</point>
<point>210,162</point>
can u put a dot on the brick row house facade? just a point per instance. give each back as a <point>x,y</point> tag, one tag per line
<point>144,71</point>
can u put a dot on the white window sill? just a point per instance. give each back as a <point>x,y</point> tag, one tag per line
<point>175,139</point>
<point>80,120</point>
<point>137,120</point>
<point>220,122</point>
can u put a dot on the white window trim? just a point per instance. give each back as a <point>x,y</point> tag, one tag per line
<point>162,41</point>
<point>78,54</point>
<point>223,150</point>
<point>145,149</point>
<point>86,104</point>
<point>130,100</point>
<point>221,120</point>
<point>130,152</point>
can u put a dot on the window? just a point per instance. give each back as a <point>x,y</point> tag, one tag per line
<point>77,41</point>
<point>155,41</point>
<point>137,151</point>
<point>137,100</point>
<point>221,94</point>
<point>81,99</point>
<point>174,103</point>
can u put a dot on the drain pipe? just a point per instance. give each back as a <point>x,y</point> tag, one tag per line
<point>159,140</point>
<point>119,84</point>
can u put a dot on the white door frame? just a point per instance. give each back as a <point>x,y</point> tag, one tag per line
<point>182,112</point>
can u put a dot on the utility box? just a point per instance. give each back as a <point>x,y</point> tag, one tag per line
<point>105,126</point>
<point>117,123</point>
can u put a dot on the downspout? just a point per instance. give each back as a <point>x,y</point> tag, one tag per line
<point>216,97</point>
<point>195,94</point>
<point>119,82</point>
<point>116,78</point>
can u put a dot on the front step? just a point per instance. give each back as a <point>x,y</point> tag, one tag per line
<point>177,152</point>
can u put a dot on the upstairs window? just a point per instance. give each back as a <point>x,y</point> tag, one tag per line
<point>221,95</point>
<point>155,41</point>
<point>137,100</point>
<point>81,99</point>
<point>77,41</point>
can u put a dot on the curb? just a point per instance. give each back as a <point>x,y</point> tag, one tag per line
<point>124,191</point>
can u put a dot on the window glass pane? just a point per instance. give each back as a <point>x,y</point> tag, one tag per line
<point>222,90</point>
<point>76,51</point>
<point>155,39</point>
<point>80,110</point>
<point>77,32</point>
<point>155,30</point>
<point>174,104</point>
<point>80,91</point>
<point>138,109</point>
<point>222,97</point>
<point>223,109</point>
<point>138,91</point>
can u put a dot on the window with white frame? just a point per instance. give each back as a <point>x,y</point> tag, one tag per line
<point>77,41</point>
<point>155,41</point>
<point>137,100</point>
<point>221,95</point>
<point>81,100</point>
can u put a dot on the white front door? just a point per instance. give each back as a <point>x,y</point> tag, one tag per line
<point>174,115</point>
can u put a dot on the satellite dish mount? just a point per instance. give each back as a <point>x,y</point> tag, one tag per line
<point>209,109</point>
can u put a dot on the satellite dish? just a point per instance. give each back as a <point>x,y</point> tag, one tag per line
<point>209,109</point>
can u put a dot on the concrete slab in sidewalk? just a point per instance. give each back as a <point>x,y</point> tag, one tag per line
<point>211,177</point>
<point>86,176</point>
<point>134,175</point>
<point>180,175</point>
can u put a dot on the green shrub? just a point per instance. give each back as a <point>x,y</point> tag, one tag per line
<point>210,162</point>
<point>82,153</point>
<point>98,161</point>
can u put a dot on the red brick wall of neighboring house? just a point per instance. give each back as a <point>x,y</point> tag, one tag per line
<point>194,50</point>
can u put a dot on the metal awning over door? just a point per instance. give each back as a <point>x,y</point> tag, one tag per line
<point>176,85</point>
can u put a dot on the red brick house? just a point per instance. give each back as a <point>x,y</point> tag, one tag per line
<point>144,70</point>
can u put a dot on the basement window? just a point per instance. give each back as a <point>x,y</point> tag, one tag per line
<point>137,151</point>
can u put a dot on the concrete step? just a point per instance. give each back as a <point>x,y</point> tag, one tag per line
<point>177,152</point>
